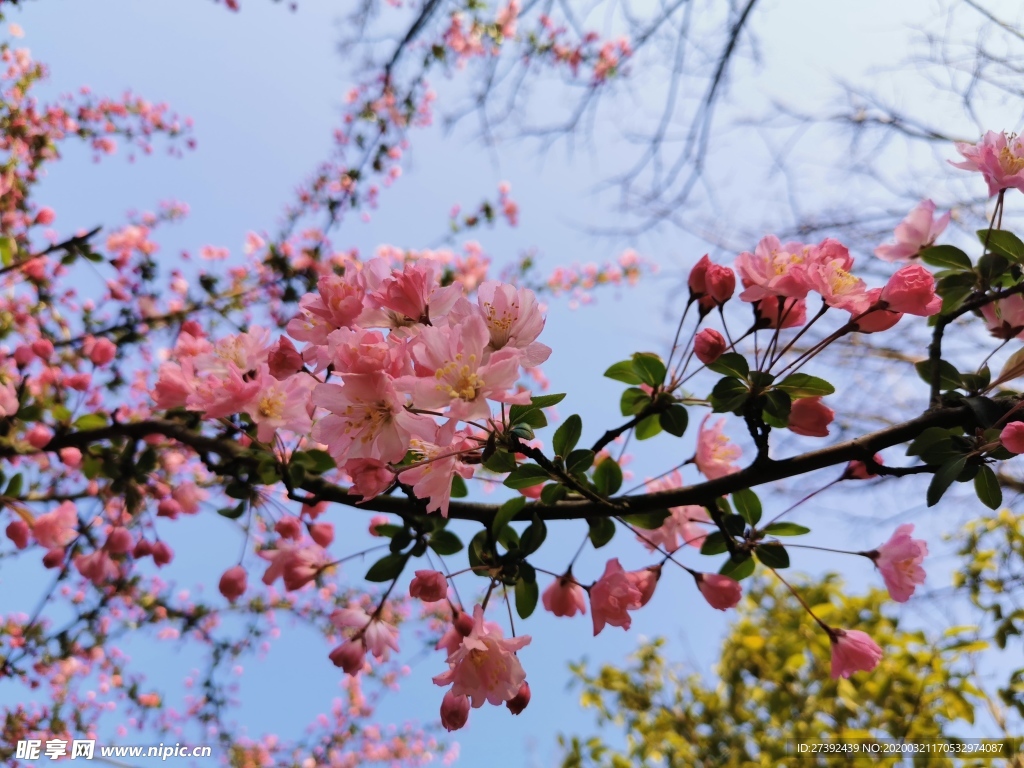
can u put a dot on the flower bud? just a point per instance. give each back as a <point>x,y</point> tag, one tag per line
<point>322,533</point>
<point>518,702</point>
<point>119,541</point>
<point>454,711</point>
<point>429,586</point>
<point>463,623</point>
<point>17,531</point>
<point>350,656</point>
<point>709,345</point>
<point>233,583</point>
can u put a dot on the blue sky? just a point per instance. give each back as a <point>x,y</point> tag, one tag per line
<point>265,88</point>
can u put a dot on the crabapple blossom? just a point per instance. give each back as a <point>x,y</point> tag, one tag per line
<point>613,596</point>
<point>1012,437</point>
<point>852,651</point>
<point>565,597</point>
<point>999,157</point>
<point>721,592</point>
<point>809,416</point>
<point>911,291</point>
<point>454,711</point>
<point>919,230</point>
<point>484,668</point>
<point>715,454</point>
<point>233,583</point>
<point>899,561</point>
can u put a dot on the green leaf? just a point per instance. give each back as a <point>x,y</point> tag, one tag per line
<point>944,478</point>
<point>8,249</point>
<point>387,530</point>
<point>444,542</point>
<point>772,555</point>
<point>602,529</point>
<point>647,520</point>
<point>546,401</point>
<point>986,485</point>
<point>527,476</point>
<point>567,435</point>
<point>506,513</point>
<point>1004,243</point>
<point>501,462</point>
<point>14,487</point>
<point>533,536</point>
<point>738,569</point>
<point>527,593</point>
<point>776,409</point>
<point>90,421</point>
<point>734,524</point>
<point>729,395</point>
<point>623,371</point>
<point>946,257</point>
<point>714,544</point>
<point>650,368</point>
<point>608,477</point>
<point>949,377</point>
<point>785,529</point>
<point>731,364</point>
<point>747,505</point>
<point>387,568</point>
<point>552,493</point>
<point>674,420</point>
<point>798,385</point>
<point>321,461</point>
<point>633,401</point>
<point>531,417</point>
<point>232,513</point>
<point>579,460</point>
<point>459,489</point>
<point>648,428</point>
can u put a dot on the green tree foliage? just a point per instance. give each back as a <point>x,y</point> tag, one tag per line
<point>774,689</point>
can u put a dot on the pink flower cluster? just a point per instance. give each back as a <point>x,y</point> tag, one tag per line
<point>386,353</point>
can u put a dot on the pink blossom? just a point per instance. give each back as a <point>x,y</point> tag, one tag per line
<point>721,592</point>
<point>858,470</point>
<point>457,376</point>
<point>999,157</point>
<point>836,285</point>
<point>322,533</point>
<point>296,564</point>
<point>485,667</point>
<point>613,596</point>
<point>370,478</point>
<point>98,567</point>
<point>429,586</point>
<point>810,416</point>
<point>899,560</point>
<point>284,360</point>
<point>350,656</point>
<point>912,291</point>
<point>919,230</point>
<point>513,317</point>
<point>283,405</point>
<point>774,269</point>
<point>56,529</point>
<point>681,527</point>
<point>709,345</point>
<point>1012,437</point>
<point>869,317</point>
<point>119,542</point>
<point>711,284</point>
<point>339,302</point>
<point>645,580</point>
<point>565,597</point>
<point>379,637</point>
<point>791,313</point>
<point>72,457</point>
<point>1005,317</point>
<point>454,711</point>
<point>377,520</point>
<point>162,553</point>
<point>715,454</point>
<point>437,463</point>
<point>414,293</point>
<point>853,651</point>
<point>367,419</point>
<point>101,352</point>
